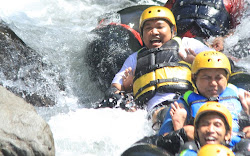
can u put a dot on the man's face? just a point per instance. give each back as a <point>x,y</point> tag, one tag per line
<point>212,129</point>
<point>211,82</point>
<point>156,33</point>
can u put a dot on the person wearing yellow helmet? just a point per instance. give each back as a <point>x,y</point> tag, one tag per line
<point>157,12</point>
<point>212,132</point>
<point>212,125</point>
<point>151,72</point>
<point>210,73</point>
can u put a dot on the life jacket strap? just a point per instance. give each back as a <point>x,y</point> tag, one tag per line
<point>155,82</point>
<point>158,66</point>
<point>215,99</point>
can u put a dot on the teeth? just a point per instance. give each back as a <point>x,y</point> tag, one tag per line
<point>155,40</point>
<point>210,138</point>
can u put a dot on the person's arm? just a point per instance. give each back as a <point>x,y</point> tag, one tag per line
<point>245,100</point>
<point>127,81</point>
<point>244,117</point>
<point>118,86</point>
<point>218,43</point>
<point>246,130</point>
<point>167,125</point>
<point>190,47</point>
<point>189,130</point>
<point>119,77</point>
<point>178,114</point>
<point>188,56</point>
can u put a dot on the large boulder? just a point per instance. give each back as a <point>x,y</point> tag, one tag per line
<point>22,131</point>
<point>22,70</point>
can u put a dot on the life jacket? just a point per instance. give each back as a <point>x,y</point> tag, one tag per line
<point>201,18</point>
<point>160,70</point>
<point>229,97</point>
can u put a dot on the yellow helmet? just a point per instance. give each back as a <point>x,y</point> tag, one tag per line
<point>213,106</point>
<point>157,12</point>
<point>210,59</point>
<point>215,150</point>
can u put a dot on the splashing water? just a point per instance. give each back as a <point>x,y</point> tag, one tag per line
<point>59,29</point>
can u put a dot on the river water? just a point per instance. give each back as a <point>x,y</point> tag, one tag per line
<point>58,30</point>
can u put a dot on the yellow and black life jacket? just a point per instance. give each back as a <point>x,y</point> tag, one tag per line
<point>161,70</point>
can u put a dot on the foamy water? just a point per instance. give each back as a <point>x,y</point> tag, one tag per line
<point>58,30</point>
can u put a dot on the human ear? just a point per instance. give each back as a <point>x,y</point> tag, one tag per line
<point>228,136</point>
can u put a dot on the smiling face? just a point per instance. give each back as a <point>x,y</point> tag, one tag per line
<point>211,82</point>
<point>211,129</point>
<point>155,33</point>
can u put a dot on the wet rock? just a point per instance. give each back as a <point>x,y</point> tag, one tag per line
<point>106,54</point>
<point>22,131</point>
<point>22,70</point>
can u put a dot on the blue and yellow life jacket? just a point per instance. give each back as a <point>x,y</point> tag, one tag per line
<point>211,17</point>
<point>229,98</point>
<point>160,70</point>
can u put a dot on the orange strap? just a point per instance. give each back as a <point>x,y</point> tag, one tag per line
<point>136,34</point>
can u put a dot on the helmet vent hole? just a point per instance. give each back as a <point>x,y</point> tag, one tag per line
<point>209,60</point>
<point>219,60</point>
<point>149,12</point>
<point>159,10</point>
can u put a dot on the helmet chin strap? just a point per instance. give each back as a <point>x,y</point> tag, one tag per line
<point>194,80</point>
<point>197,140</point>
<point>172,30</point>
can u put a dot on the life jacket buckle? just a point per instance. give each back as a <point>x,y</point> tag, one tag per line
<point>213,98</point>
<point>152,83</point>
<point>175,79</point>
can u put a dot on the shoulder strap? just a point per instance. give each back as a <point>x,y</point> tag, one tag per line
<point>186,95</point>
<point>178,40</point>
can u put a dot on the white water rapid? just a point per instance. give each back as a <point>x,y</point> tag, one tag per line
<point>58,30</point>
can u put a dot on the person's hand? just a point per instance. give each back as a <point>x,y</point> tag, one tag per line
<point>178,114</point>
<point>189,56</point>
<point>245,101</point>
<point>218,44</point>
<point>127,79</point>
<point>246,130</point>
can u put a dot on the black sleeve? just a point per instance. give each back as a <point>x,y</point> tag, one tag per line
<point>149,140</point>
<point>242,148</point>
<point>171,142</point>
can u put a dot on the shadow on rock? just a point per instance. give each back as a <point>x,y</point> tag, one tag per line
<point>23,72</point>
